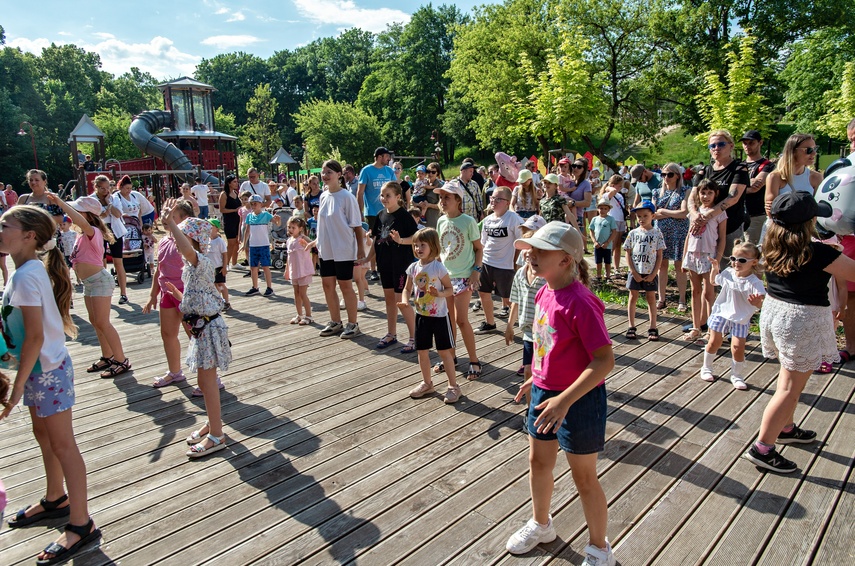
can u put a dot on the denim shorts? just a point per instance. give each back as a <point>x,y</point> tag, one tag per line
<point>259,256</point>
<point>99,285</point>
<point>51,392</point>
<point>646,286</point>
<point>584,428</point>
<point>528,352</point>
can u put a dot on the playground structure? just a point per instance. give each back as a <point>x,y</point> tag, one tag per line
<point>178,144</point>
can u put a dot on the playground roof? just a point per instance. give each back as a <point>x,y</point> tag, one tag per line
<point>186,82</point>
<point>86,131</point>
<point>199,135</point>
<point>282,157</point>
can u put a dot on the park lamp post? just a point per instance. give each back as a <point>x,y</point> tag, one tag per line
<point>21,132</point>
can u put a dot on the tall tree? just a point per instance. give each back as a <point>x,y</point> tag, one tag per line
<point>235,76</point>
<point>261,138</point>
<point>841,105</point>
<point>329,127</point>
<point>114,122</point>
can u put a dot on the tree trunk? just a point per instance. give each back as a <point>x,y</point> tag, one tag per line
<point>544,146</point>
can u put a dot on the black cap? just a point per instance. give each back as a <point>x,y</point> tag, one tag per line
<point>380,151</point>
<point>467,165</point>
<point>798,207</point>
<point>751,135</point>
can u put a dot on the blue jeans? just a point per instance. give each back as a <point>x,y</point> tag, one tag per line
<point>203,212</point>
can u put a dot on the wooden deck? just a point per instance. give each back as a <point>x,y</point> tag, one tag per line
<point>330,462</point>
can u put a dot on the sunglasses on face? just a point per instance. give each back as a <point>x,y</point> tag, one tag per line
<point>669,174</point>
<point>717,145</point>
<point>577,166</point>
<point>809,150</point>
<point>431,172</point>
<point>733,258</point>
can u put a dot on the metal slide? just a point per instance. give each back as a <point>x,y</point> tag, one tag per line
<point>142,130</point>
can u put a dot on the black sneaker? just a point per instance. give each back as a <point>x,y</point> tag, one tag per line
<point>247,274</point>
<point>485,328</point>
<point>123,299</point>
<point>771,461</point>
<point>796,436</point>
<point>252,291</point>
<point>373,276</point>
<point>268,292</point>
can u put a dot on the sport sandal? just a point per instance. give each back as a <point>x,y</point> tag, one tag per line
<point>474,371</point>
<point>102,364</point>
<point>87,534</point>
<point>198,436</point>
<point>117,369</point>
<point>199,450</point>
<point>51,510</point>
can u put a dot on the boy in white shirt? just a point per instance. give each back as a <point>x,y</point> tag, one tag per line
<point>200,193</point>
<point>644,246</point>
<point>498,233</point>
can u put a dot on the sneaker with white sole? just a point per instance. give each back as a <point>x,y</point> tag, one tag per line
<point>531,535</point>
<point>351,330</point>
<point>332,328</point>
<point>361,306</point>
<point>504,312</point>
<point>707,374</point>
<point>796,436</point>
<point>421,390</point>
<point>771,461</point>
<point>452,395</point>
<point>738,382</point>
<point>595,556</point>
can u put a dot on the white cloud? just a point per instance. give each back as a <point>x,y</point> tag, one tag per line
<point>159,56</point>
<point>103,35</point>
<point>236,17</point>
<point>347,13</point>
<point>64,33</point>
<point>226,42</point>
<point>221,11</point>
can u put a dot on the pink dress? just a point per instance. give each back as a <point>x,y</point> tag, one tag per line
<point>300,268</point>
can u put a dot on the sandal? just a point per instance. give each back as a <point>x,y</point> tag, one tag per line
<point>473,373</point>
<point>117,369</point>
<point>440,367</point>
<point>52,510</point>
<point>410,347</point>
<point>660,304</point>
<point>631,333</point>
<point>521,371</point>
<point>169,378</point>
<point>197,392</point>
<point>199,450</point>
<point>306,321</point>
<point>87,534</point>
<point>653,334</point>
<point>387,341</point>
<point>101,364</point>
<point>692,336</point>
<point>825,367</point>
<point>681,307</point>
<point>196,436</point>
<point>296,319</point>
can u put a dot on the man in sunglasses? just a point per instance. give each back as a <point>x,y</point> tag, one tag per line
<point>755,195</point>
<point>473,199</point>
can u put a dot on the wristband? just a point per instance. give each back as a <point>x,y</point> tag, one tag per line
<point>478,268</point>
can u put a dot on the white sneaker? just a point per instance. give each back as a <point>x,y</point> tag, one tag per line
<point>361,306</point>
<point>707,374</point>
<point>531,535</point>
<point>738,382</point>
<point>595,556</point>
<point>351,330</point>
<point>341,305</point>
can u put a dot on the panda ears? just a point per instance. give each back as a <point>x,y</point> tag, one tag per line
<point>840,163</point>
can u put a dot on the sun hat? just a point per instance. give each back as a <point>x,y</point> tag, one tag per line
<point>645,205</point>
<point>86,204</point>
<point>453,188</point>
<point>524,175</point>
<point>215,222</point>
<point>564,161</point>
<point>798,207</point>
<point>604,201</point>
<point>421,169</point>
<point>555,236</point>
<point>467,165</point>
<point>551,178</point>
<point>197,229</point>
<point>535,222</point>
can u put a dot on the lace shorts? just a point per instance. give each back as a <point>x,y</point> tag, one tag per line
<point>699,262</point>
<point>801,336</point>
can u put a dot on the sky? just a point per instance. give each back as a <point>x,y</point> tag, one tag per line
<point>168,39</point>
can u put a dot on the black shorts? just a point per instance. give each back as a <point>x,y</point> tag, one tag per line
<point>393,278</point>
<point>602,255</point>
<point>429,328</point>
<point>341,270</point>
<point>218,275</point>
<point>496,279</point>
<point>646,286</point>
<point>116,248</point>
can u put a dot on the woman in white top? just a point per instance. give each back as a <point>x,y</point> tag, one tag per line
<point>791,172</point>
<point>128,205</point>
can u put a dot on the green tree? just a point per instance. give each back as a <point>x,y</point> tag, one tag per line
<point>134,92</point>
<point>235,76</point>
<point>114,122</point>
<point>225,123</point>
<point>841,105</point>
<point>738,104</point>
<point>328,126</point>
<point>261,138</point>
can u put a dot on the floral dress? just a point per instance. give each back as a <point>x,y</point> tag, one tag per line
<point>211,349</point>
<point>674,230</point>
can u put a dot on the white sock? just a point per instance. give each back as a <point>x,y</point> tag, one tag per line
<point>737,369</point>
<point>708,360</point>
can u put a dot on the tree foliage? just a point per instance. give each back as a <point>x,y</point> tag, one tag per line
<point>342,127</point>
<point>841,105</point>
<point>261,139</point>
<point>114,122</point>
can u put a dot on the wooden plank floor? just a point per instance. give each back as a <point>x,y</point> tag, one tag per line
<point>330,462</point>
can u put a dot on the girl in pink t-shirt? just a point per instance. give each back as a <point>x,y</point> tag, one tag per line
<point>572,356</point>
<point>703,253</point>
<point>300,269</point>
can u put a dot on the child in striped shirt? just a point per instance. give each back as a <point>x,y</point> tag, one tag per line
<point>523,290</point>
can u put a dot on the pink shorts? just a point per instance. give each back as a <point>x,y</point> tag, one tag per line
<point>167,301</point>
<point>302,281</point>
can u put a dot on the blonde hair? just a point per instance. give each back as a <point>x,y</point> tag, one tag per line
<point>786,165</point>
<point>37,220</point>
<point>430,237</point>
<point>722,134</point>
<point>300,223</point>
<point>396,188</point>
<point>752,249</point>
<point>674,168</point>
<point>95,221</point>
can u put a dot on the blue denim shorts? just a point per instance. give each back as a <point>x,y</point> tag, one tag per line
<point>584,428</point>
<point>51,392</point>
<point>259,256</point>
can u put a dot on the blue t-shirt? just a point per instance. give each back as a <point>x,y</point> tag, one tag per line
<point>602,228</point>
<point>374,178</point>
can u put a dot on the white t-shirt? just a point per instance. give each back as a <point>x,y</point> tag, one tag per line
<point>498,234</point>
<point>145,205</point>
<point>201,194</point>
<point>338,215</point>
<point>216,251</point>
<point>259,228</point>
<point>259,188</point>
<point>424,277</point>
<point>732,302</point>
<point>290,194</point>
<point>129,206</point>
<point>643,245</point>
<point>29,286</point>
<point>117,225</point>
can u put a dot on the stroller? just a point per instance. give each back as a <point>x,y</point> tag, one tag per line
<point>279,234</point>
<point>133,253</point>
